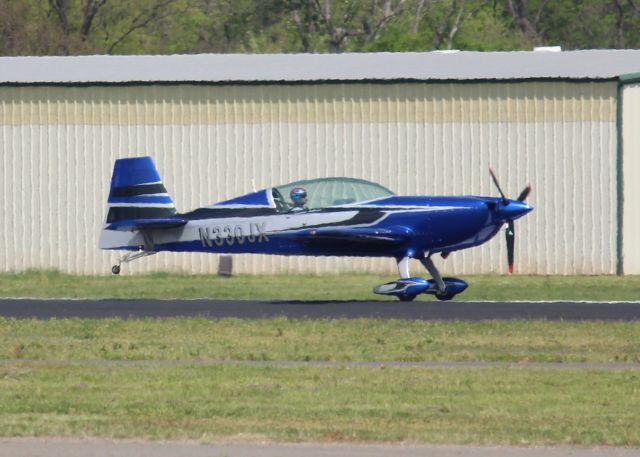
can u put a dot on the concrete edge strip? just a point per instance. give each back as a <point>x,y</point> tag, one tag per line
<point>61,446</point>
<point>241,300</point>
<point>616,366</point>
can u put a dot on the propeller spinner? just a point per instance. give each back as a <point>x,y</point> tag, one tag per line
<point>516,209</point>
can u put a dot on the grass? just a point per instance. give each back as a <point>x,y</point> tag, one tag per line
<point>50,284</point>
<point>324,340</point>
<point>491,406</point>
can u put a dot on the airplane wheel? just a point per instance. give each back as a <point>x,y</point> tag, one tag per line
<point>446,296</point>
<point>115,269</point>
<point>406,297</point>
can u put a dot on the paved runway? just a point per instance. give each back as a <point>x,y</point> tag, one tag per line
<point>248,309</point>
<point>65,447</point>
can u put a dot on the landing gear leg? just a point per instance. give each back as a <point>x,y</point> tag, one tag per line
<point>435,274</point>
<point>443,292</point>
<point>129,257</point>
<point>144,250</point>
<point>403,270</point>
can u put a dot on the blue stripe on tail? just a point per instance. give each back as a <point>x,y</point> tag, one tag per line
<point>137,192</point>
<point>142,199</point>
<point>134,171</point>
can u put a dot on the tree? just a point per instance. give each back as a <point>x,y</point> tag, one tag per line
<point>118,27</point>
<point>72,27</point>
<point>526,19</point>
<point>585,24</point>
<point>441,24</point>
<point>458,12</point>
<point>342,20</point>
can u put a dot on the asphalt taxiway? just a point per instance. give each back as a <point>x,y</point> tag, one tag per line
<point>255,309</point>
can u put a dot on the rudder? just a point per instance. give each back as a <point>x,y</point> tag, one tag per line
<point>138,203</point>
<point>137,192</point>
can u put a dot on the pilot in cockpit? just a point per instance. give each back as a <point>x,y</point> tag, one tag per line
<point>299,199</point>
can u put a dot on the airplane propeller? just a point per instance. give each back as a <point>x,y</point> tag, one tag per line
<point>510,234</point>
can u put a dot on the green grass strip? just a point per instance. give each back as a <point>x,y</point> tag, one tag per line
<point>323,340</point>
<point>48,284</point>
<point>490,406</point>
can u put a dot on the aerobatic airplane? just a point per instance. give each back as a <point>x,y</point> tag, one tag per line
<point>318,217</point>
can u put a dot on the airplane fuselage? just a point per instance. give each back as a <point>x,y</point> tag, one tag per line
<point>336,216</point>
<point>428,224</point>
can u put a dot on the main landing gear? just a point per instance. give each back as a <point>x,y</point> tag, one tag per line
<point>407,288</point>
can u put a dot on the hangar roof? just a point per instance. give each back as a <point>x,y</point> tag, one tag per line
<point>255,68</point>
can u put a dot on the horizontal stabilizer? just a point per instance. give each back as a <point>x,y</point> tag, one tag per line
<point>147,224</point>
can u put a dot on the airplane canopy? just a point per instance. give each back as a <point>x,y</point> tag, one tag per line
<point>324,192</point>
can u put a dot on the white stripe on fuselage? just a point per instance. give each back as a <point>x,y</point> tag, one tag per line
<point>253,226</point>
<point>256,228</point>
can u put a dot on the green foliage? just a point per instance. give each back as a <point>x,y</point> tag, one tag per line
<point>487,32</point>
<point>57,27</point>
<point>583,24</point>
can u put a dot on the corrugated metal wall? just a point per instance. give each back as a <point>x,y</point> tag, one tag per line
<point>58,144</point>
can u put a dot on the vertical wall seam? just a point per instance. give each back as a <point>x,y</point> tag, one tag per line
<point>619,183</point>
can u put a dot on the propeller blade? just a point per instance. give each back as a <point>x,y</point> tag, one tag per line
<point>511,237</point>
<point>525,193</point>
<point>495,181</point>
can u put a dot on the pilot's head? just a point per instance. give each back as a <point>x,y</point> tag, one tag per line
<point>298,196</point>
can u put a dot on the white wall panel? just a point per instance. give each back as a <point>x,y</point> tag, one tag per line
<point>631,163</point>
<point>57,147</point>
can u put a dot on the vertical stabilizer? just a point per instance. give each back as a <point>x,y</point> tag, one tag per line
<point>137,192</point>
<point>138,202</point>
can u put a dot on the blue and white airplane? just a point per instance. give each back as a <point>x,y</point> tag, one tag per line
<point>326,217</point>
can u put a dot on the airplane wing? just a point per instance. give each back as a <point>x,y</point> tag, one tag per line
<point>394,235</point>
<point>148,224</point>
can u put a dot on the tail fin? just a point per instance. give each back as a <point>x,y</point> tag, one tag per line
<point>137,200</point>
<point>137,192</point>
